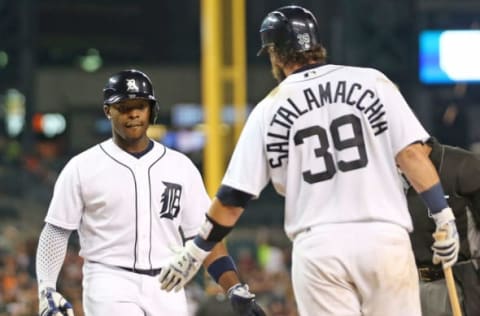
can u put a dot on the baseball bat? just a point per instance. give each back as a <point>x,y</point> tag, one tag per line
<point>452,290</point>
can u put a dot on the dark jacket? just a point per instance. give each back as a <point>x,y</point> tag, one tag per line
<point>459,172</point>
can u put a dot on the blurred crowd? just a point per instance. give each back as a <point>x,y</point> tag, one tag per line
<point>263,265</point>
<point>18,290</point>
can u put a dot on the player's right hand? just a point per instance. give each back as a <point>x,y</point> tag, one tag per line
<point>182,267</point>
<point>53,303</point>
<point>445,250</point>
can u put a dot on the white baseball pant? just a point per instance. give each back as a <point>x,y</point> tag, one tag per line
<point>355,269</point>
<point>111,290</point>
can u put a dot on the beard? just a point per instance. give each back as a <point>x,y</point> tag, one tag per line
<point>278,73</point>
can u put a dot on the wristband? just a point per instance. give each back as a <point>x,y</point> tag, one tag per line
<point>220,266</point>
<point>434,198</point>
<point>213,231</point>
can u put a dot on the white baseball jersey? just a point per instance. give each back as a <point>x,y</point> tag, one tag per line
<point>327,138</point>
<point>128,211</point>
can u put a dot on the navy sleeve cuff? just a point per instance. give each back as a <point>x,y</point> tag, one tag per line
<point>233,197</point>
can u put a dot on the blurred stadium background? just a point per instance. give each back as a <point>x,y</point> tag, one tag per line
<point>55,56</point>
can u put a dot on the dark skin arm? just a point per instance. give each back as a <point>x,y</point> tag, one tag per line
<point>227,279</point>
<point>224,214</point>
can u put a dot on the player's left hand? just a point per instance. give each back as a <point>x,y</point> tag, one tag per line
<point>243,302</point>
<point>53,303</point>
<point>445,250</point>
<point>183,267</point>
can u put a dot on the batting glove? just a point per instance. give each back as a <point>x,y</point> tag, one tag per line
<point>446,250</point>
<point>243,302</point>
<point>53,303</point>
<point>183,267</point>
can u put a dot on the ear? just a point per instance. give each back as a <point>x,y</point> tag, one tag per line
<point>106,110</point>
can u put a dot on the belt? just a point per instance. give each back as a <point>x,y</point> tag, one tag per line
<point>150,272</point>
<point>430,273</point>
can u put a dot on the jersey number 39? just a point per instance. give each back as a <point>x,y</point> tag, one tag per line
<point>340,144</point>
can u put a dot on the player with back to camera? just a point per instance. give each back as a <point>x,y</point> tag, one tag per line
<point>133,202</point>
<point>459,172</point>
<point>330,137</point>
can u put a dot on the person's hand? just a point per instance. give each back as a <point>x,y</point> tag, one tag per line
<point>183,267</point>
<point>445,248</point>
<point>52,303</point>
<point>243,302</point>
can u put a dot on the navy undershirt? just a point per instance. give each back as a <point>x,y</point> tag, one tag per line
<point>143,152</point>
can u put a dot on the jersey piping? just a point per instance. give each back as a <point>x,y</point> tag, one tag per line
<point>136,205</point>
<point>150,202</point>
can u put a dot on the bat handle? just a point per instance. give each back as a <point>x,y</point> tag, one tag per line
<point>452,290</point>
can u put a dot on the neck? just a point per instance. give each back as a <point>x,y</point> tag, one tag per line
<point>289,69</point>
<point>132,146</point>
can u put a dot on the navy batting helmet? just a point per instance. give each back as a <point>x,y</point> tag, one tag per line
<point>289,27</point>
<point>130,84</point>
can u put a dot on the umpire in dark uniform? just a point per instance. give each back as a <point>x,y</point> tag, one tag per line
<point>459,172</point>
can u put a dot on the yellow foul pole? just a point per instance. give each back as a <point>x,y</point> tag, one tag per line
<point>212,96</point>
<point>215,75</point>
<point>239,65</point>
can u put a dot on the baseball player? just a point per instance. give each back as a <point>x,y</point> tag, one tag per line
<point>459,172</point>
<point>133,202</point>
<point>330,137</point>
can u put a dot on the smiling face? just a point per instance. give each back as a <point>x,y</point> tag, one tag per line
<point>130,120</point>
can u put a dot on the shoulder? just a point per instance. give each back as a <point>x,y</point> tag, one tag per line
<point>87,155</point>
<point>262,108</point>
<point>174,156</point>
<point>365,72</point>
<point>462,156</point>
<point>268,100</point>
<point>462,163</point>
<point>93,152</point>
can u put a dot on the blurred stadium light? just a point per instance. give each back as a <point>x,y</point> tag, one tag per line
<point>14,112</point>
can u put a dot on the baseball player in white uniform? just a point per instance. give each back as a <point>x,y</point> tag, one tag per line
<point>133,202</point>
<point>330,137</point>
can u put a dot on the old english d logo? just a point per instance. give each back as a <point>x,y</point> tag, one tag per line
<point>171,200</point>
<point>132,86</point>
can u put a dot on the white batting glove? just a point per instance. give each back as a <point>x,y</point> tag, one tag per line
<point>446,250</point>
<point>183,267</point>
<point>53,303</point>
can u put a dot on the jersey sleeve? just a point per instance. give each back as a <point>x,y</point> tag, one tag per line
<point>196,204</point>
<point>248,170</point>
<point>404,126</point>
<point>66,206</point>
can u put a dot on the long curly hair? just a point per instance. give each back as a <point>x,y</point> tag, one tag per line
<point>288,56</point>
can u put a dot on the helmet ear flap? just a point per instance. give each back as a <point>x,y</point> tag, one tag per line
<point>154,112</point>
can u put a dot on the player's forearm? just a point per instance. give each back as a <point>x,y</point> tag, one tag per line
<point>51,250</point>
<point>224,214</point>
<point>417,167</point>
<point>221,267</point>
<point>228,279</point>
<point>220,220</point>
<point>217,252</point>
